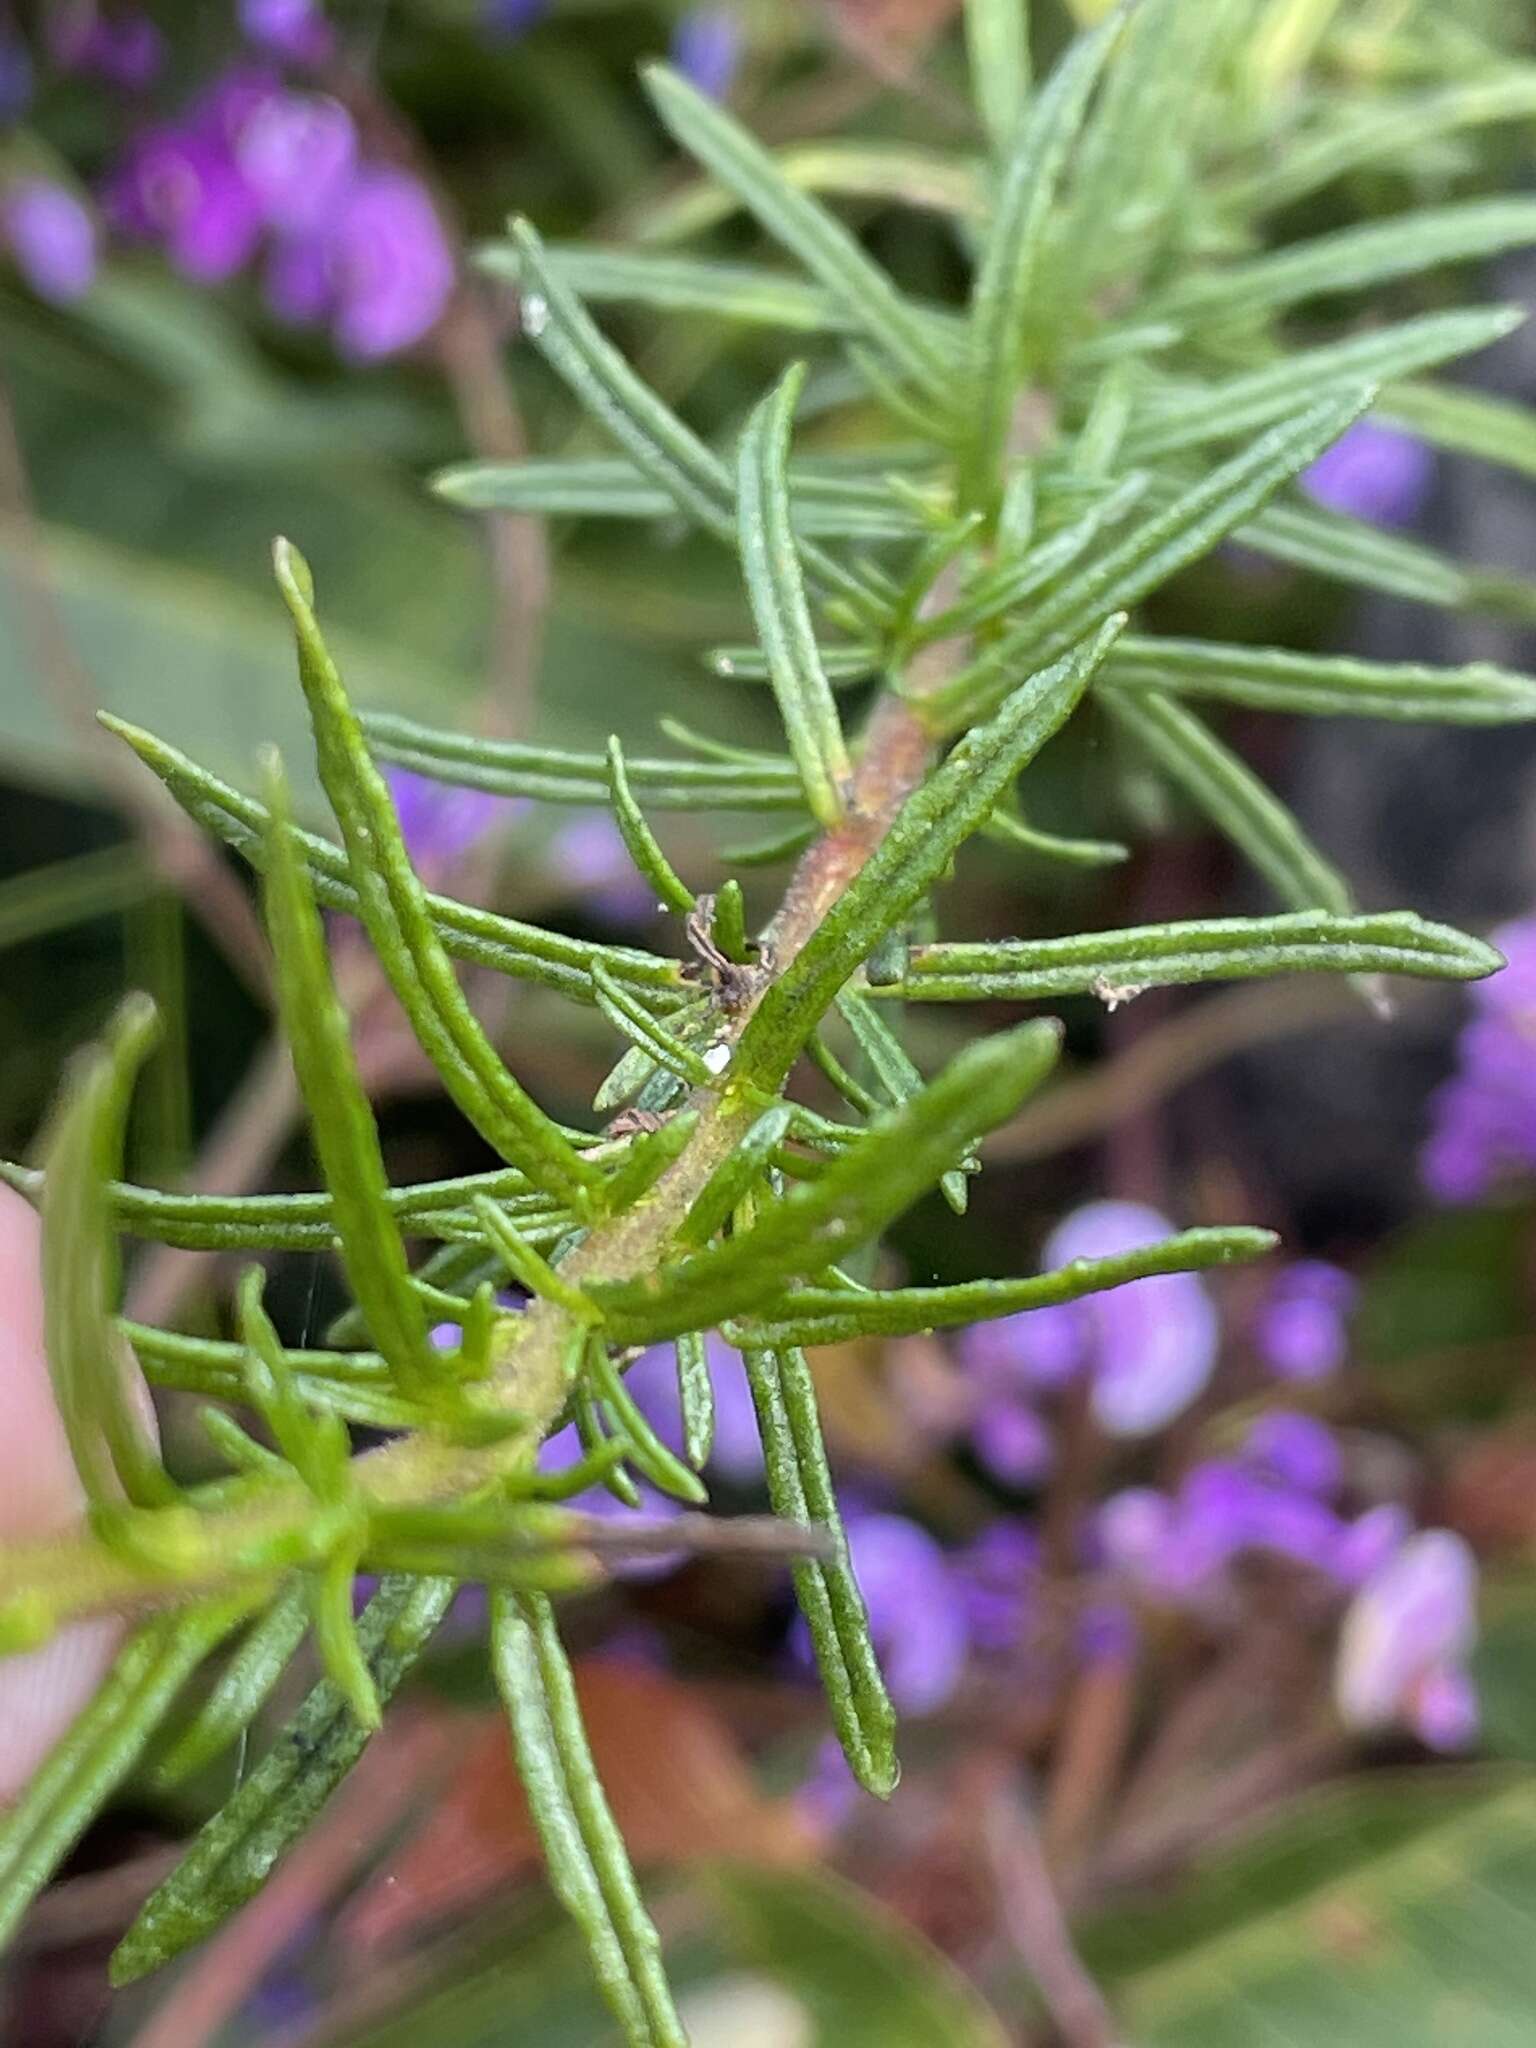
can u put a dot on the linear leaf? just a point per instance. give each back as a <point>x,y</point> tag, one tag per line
<point>777,595</point>
<point>815,1225</point>
<point>100,1748</point>
<point>826,1315</point>
<point>1117,965</point>
<point>800,1490</point>
<point>398,920</point>
<point>1346,550</point>
<point>108,1442</point>
<point>695,1397</point>
<point>1227,792</point>
<point>524,951</point>
<point>636,1023</point>
<point>898,1078</point>
<point>1351,259</point>
<point>954,801</point>
<point>768,782</point>
<point>1189,418</point>
<point>801,224</point>
<point>997,47</point>
<point>1187,528</point>
<point>233,1855</point>
<point>1325,685</point>
<point>1465,422</point>
<point>241,1690</point>
<point>1006,286</point>
<point>899,173</point>
<point>588,1863</point>
<point>1008,828</point>
<point>644,1448</point>
<point>346,1138</point>
<point>639,840</point>
<point>600,487</point>
<point>735,1176</point>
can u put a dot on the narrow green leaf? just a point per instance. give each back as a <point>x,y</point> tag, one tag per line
<point>67,892</point>
<point>480,937</point>
<point>1003,299</point>
<point>1351,259</point>
<point>777,595</point>
<point>997,46</point>
<point>629,1016</point>
<point>527,1267</point>
<point>931,825</point>
<point>759,782</point>
<point>1349,551</point>
<point>827,1315</point>
<point>823,504</point>
<point>1226,791</point>
<point>899,1079</point>
<point>1401,126</point>
<point>783,1397</point>
<point>242,1689</point>
<point>101,1747</point>
<point>1325,685</point>
<point>1118,965</point>
<point>398,920</point>
<point>1010,829</point>
<point>1024,573</point>
<point>645,1449</point>
<point>1187,528</point>
<point>345,1136</point>
<point>695,1397</point>
<point>739,1171</point>
<point>900,173</point>
<point>730,924</point>
<point>646,1158</point>
<point>801,225</point>
<point>109,1441</point>
<point>235,1852</point>
<point>1465,422</point>
<point>1190,418</point>
<point>638,837</point>
<point>815,1225</point>
<point>682,284</point>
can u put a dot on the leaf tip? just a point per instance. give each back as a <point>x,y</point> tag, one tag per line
<point>294,578</point>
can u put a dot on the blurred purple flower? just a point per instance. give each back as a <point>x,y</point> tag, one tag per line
<point>512,17</point>
<point>180,184</point>
<point>1152,1343</point>
<point>390,263</point>
<point>1405,1640</point>
<point>297,152</point>
<point>588,857</point>
<point>1039,1351</point>
<point>1372,472</point>
<point>441,822</point>
<point>997,1580</point>
<point>1012,1441</point>
<point>707,48</point>
<point>1483,1120</point>
<point>829,1793</point>
<point>52,237</point>
<point>1302,1329</point>
<point>1106,1634</point>
<point>124,47</point>
<point>1296,1451</point>
<point>1369,1541</point>
<point>294,30</point>
<point>918,1624</point>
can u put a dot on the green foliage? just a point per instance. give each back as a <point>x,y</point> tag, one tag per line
<point>991,493</point>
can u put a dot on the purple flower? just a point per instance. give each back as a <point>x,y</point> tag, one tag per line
<point>389,262</point>
<point>182,185</point>
<point>294,30</point>
<point>997,1579</point>
<point>1372,472</point>
<point>1152,1343</point>
<point>1296,1451</point>
<point>588,856</point>
<point>52,237</point>
<point>441,822</point>
<point>1012,1441</point>
<point>124,47</point>
<point>1040,1350</point>
<point>918,1625</point>
<point>1483,1120</point>
<point>1405,1640</point>
<point>297,152</point>
<point>706,48</point>
<point>1302,1328</point>
<point>512,17</point>
<point>1370,1541</point>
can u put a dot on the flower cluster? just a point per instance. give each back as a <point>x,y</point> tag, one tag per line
<point>1483,1120</point>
